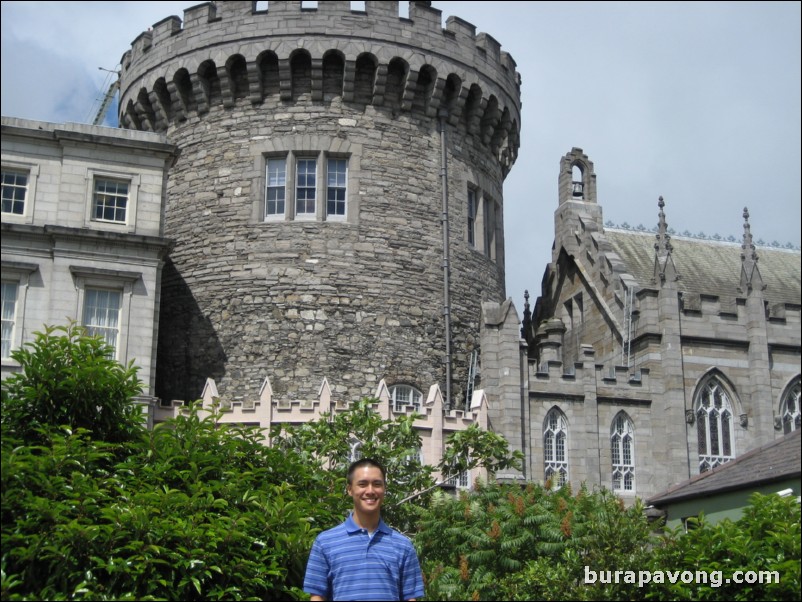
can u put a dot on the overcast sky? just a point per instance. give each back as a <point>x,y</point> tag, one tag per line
<point>698,102</point>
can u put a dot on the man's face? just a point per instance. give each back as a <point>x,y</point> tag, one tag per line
<point>367,489</point>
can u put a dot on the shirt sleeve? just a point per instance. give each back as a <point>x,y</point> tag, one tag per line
<point>411,577</point>
<point>316,580</point>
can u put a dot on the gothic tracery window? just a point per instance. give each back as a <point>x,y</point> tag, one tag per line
<point>714,426</point>
<point>622,446</point>
<point>789,409</point>
<point>555,445</point>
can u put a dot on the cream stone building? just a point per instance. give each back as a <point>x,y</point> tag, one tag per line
<point>82,236</point>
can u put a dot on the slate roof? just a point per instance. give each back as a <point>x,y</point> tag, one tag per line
<point>779,460</point>
<point>710,267</point>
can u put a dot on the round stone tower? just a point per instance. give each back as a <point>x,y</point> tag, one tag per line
<point>307,197</point>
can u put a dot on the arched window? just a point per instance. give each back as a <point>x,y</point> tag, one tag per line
<point>355,452</point>
<point>789,409</point>
<point>404,396</point>
<point>577,182</point>
<point>555,444</point>
<point>713,425</point>
<point>622,447</point>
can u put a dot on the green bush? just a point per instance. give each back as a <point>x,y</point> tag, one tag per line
<point>196,511</point>
<point>504,542</point>
<point>765,538</point>
<point>69,378</point>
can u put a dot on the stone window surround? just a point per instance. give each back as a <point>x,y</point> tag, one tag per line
<point>617,439</point>
<point>299,147</point>
<point>484,242</point>
<point>133,180</point>
<point>30,196</point>
<point>18,273</point>
<point>552,465</point>
<point>117,280</point>
<point>710,460</point>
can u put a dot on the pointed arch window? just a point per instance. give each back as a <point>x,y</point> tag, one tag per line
<point>355,450</point>
<point>714,425</point>
<point>577,182</point>
<point>555,447</point>
<point>622,447</point>
<point>405,397</point>
<point>789,409</point>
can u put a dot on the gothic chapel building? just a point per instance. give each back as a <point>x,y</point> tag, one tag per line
<point>654,358</point>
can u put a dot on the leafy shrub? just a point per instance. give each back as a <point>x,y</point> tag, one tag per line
<point>504,542</point>
<point>196,511</point>
<point>766,538</point>
<point>69,378</point>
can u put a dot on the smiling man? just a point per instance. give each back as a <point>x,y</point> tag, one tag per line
<point>363,558</point>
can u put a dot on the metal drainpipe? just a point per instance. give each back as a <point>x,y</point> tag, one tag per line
<point>446,267</point>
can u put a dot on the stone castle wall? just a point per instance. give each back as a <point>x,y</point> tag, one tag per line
<point>353,298</point>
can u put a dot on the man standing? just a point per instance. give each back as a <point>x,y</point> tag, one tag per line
<point>363,558</point>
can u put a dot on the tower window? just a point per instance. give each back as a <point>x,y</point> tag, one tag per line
<point>336,178</point>
<point>306,187</point>
<point>275,190</point>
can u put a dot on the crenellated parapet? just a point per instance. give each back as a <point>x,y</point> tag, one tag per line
<point>433,422</point>
<point>225,53</point>
<point>608,382</point>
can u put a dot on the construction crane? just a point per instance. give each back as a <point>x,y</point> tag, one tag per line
<point>111,90</point>
<point>104,105</point>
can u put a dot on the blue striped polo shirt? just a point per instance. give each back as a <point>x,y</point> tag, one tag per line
<point>348,564</point>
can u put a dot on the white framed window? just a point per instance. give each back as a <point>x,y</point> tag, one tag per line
<point>110,200</point>
<point>555,446</point>
<point>714,425</point>
<point>622,449</point>
<point>298,183</point>
<point>405,396</point>
<point>101,315</point>
<point>472,217</point>
<point>9,313</point>
<point>16,276</point>
<point>104,304</point>
<point>275,187</point>
<point>18,191</point>
<point>336,180</point>
<point>460,481</point>
<point>306,187</point>
<point>14,190</point>
<point>789,409</point>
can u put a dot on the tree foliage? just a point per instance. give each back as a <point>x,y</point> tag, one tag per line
<point>332,441</point>
<point>763,544</point>
<point>191,510</point>
<point>94,509</point>
<point>501,542</point>
<point>504,542</point>
<point>69,378</point>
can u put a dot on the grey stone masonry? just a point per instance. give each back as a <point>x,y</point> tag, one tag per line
<point>301,288</point>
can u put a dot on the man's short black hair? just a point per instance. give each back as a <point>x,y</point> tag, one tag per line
<point>365,462</point>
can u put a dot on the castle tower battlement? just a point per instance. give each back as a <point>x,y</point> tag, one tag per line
<point>223,51</point>
<point>307,196</point>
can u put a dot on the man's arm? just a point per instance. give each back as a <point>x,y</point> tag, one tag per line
<point>315,598</point>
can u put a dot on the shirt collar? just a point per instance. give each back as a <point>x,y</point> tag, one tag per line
<point>352,527</point>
